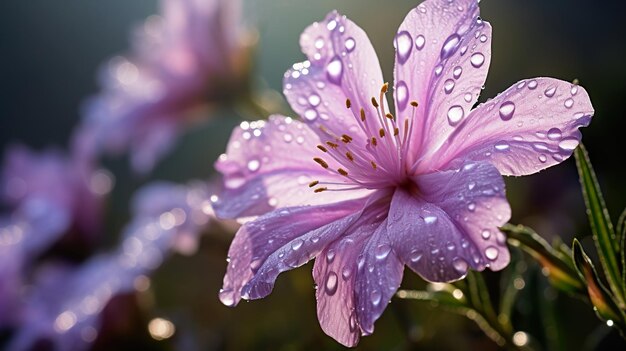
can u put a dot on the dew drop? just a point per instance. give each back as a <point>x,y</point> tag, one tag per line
<point>331,283</point>
<point>450,46</point>
<point>471,206</point>
<point>486,234</point>
<point>403,44</point>
<point>382,251</point>
<point>455,114</point>
<point>471,185</point>
<point>543,158</point>
<point>569,103</point>
<point>419,42</point>
<point>467,97</point>
<point>430,219</point>
<point>310,115</point>
<point>297,244</point>
<point>376,297</point>
<point>483,38</point>
<point>550,92</point>
<point>568,144</point>
<point>254,165</point>
<point>574,90</point>
<point>532,85</point>
<point>331,25</point>
<point>554,134</point>
<point>314,100</point>
<point>226,296</point>
<point>456,73</point>
<point>492,253</point>
<point>477,59</point>
<point>346,272</point>
<point>287,137</point>
<point>506,110</point>
<point>350,44</point>
<point>330,256</point>
<point>502,146</point>
<point>448,86</point>
<point>438,70</point>
<point>450,246</point>
<point>460,265</point>
<point>334,70</point>
<point>402,95</point>
<point>415,255</point>
<point>319,43</point>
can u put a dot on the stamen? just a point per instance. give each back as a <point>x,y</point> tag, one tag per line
<point>384,89</point>
<point>346,138</point>
<point>349,156</point>
<point>396,131</point>
<point>348,103</point>
<point>342,172</point>
<point>321,162</point>
<point>390,116</point>
<point>374,102</point>
<point>374,141</point>
<point>332,145</point>
<point>374,165</point>
<point>362,115</point>
<point>414,103</point>
<point>319,190</point>
<point>381,132</point>
<point>322,148</point>
<point>313,183</point>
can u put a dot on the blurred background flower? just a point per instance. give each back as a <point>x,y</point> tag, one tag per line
<point>51,51</point>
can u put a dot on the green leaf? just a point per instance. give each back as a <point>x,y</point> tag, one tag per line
<point>555,262</point>
<point>605,307</point>
<point>601,226</point>
<point>621,232</point>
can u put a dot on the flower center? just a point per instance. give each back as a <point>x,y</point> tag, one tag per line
<point>377,162</point>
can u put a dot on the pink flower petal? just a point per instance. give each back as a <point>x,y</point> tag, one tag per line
<point>342,64</point>
<point>270,165</point>
<point>443,52</point>
<point>452,224</point>
<point>278,241</point>
<point>531,126</point>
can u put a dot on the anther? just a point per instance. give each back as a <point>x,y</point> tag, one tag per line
<point>381,132</point>
<point>346,138</point>
<point>384,88</point>
<point>319,190</point>
<point>332,145</point>
<point>362,115</point>
<point>374,165</point>
<point>396,131</point>
<point>374,141</point>
<point>342,171</point>
<point>349,156</point>
<point>374,102</point>
<point>348,103</point>
<point>313,183</point>
<point>414,103</point>
<point>322,148</point>
<point>389,115</point>
<point>321,162</point>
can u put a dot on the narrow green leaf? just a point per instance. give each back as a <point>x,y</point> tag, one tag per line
<point>621,232</point>
<point>601,226</point>
<point>605,307</point>
<point>555,262</point>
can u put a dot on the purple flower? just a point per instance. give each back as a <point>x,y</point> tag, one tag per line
<point>64,305</point>
<point>190,56</point>
<point>365,191</point>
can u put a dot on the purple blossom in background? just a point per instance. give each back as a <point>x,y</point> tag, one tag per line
<point>365,191</point>
<point>50,197</point>
<point>187,58</point>
<point>64,305</point>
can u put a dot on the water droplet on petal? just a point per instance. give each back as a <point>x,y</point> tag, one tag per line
<point>554,134</point>
<point>287,137</point>
<point>467,97</point>
<point>226,296</point>
<point>456,73</point>
<point>569,103</point>
<point>334,70</point>
<point>296,244</point>
<point>314,100</point>
<point>483,38</point>
<point>382,251</point>
<point>330,256</point>
<point>319,43</point>
<point>532,85</point>
<point>448,86</point>
<point>430,219</point>
<point>403,44</point>
<point>254,165</point>
<point>506,110</point>
<point>310,115</point>
<point>574,90</point>
<point>346,272</point>
<point>376,297</point>
<point>502,146</point>
<point>471,206</point>
<point>450,246</point>
<point>543,158</point>
<point>415,255</point>
<point>568,144</point>
<point>492,253</point>
<point>486,234</point>
<point>477,59</point>
<point>471,185</point>
<point>350,44</point>
<point>419,42</point>
<point>455,114</point>
<point>438,70</point>
<point>450,46</point>
<point>550,92</point>
<point>402,95</point>
<point>460,265</point>
<point>331,25</point>
<point>331,283</point>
